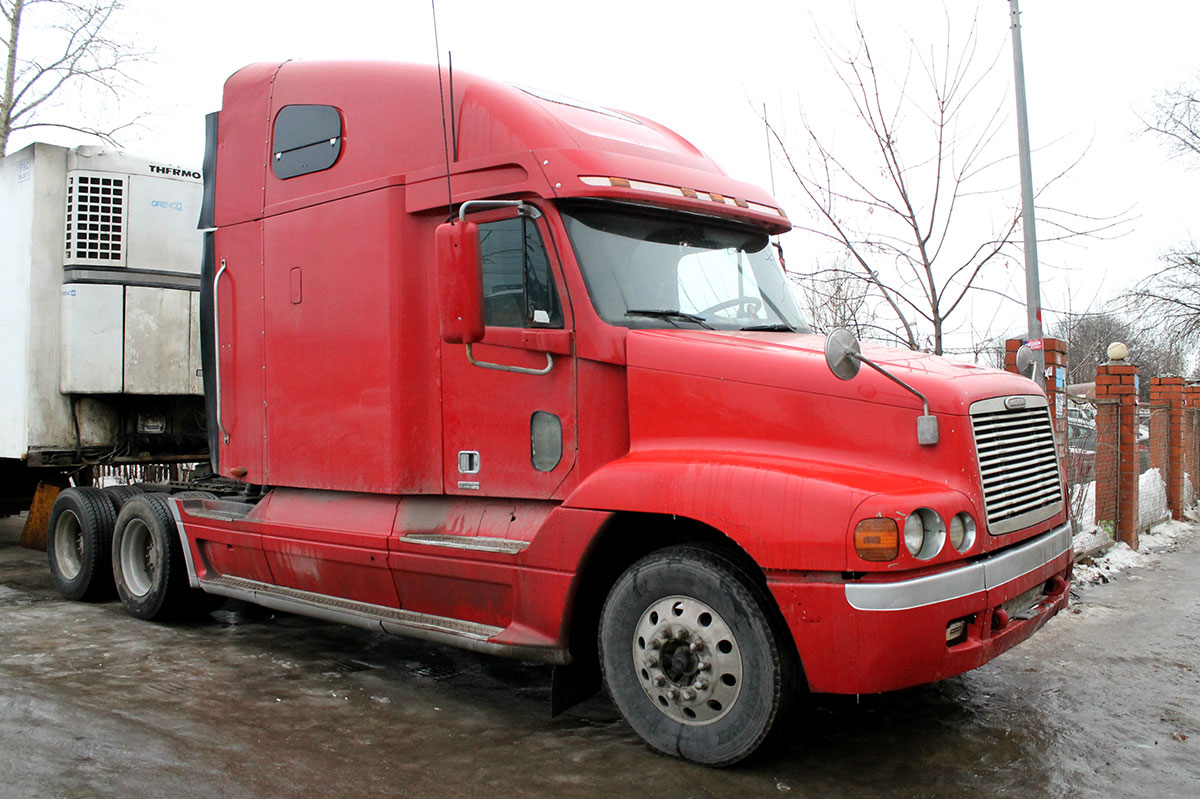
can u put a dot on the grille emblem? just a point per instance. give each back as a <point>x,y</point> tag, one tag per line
<point>1013,403</point>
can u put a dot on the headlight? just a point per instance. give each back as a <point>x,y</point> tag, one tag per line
<point>924,533</point>
<point>914,533</point>
<point>962,532</point>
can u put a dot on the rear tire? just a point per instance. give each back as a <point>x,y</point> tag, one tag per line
<point>78,543</point>
<point>122,494</point>
<point>695,656</point>
<point>148,560</point>
<point>194,494</point>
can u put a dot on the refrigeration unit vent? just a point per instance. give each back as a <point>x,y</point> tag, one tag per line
<point>95,219</point>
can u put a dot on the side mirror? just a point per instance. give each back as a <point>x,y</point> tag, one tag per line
<point>842,354</point>
<point>460,282</point>
<point>1026,361</point>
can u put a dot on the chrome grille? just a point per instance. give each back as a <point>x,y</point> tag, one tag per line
<point>1018,463</point>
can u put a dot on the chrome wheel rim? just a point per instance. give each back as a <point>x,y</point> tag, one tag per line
<point>687,660</point>
<point>141,558</point>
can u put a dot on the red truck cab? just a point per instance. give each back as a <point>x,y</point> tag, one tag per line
<point>592,429</point>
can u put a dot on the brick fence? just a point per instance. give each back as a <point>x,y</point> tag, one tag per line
<point>1174,415</point>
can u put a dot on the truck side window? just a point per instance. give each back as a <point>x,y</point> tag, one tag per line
<point>518,287</point>
<point>306,138</point>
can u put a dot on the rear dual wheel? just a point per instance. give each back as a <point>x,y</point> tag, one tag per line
<point>148,562</point>
<point>78,543</point>
<point>695,656</point>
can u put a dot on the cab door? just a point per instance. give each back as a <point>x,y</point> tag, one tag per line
<point>508,405</point>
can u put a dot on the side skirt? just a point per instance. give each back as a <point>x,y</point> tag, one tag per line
<point>439,629</point>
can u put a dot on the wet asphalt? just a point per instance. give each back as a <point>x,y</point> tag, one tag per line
<point>1104,701</point>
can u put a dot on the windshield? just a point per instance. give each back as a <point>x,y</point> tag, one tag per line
<point>649,268</point>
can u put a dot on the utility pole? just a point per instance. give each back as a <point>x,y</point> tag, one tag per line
<point>1033,292</point>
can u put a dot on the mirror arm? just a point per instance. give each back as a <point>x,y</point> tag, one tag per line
<point>893,378</point>
<point>927,423</point>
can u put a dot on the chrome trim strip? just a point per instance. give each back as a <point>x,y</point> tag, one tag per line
<point>983,575</point>
<point>473,542</point>
<point>1021,560</point>
<point>1025,519</point>
<point>1032,402</point>
<point>455,632</point>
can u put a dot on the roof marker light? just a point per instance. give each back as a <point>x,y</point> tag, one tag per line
<point>678,191</point>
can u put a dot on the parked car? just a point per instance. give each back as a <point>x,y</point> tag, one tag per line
<point>1080,461</point>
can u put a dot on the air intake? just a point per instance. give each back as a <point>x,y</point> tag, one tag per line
<point>95,219</point>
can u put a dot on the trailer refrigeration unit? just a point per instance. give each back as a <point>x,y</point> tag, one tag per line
<point>99,336</point>
<point>560,404</point>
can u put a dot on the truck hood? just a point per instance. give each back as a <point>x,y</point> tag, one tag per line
<point>796,361</point>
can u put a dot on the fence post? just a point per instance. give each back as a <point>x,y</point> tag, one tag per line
<point>1055,351</point>
<point>1010,354</point>
<point>1056,388</point>
<point>1191,437</point>
<point>1116,449</point>
<point>1167,437</point>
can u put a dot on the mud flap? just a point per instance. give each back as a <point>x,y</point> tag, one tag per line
<point>34,534</point>
<point>570,685</point>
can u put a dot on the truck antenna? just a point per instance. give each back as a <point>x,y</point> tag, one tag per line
<point>453,129</point>
<point>771,170</point>
<point>442,97</point>
<point>770,158</point>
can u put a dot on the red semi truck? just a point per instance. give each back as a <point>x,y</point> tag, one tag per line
<point>506,371</point>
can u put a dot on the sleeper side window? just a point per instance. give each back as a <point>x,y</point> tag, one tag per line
<point>518,287</point>
<point>305,139</point>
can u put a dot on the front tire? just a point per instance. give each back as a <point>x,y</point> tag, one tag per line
<point>695,657</point>
<point>78,539</point>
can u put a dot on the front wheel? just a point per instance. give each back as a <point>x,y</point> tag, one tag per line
<point>694,656</point>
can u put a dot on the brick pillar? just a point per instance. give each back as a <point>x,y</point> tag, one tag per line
<point>1167,439</point>
<point>1116,449</point>
<point>1191,434</point>
<point>1055,351</point>
<point>1056,387</point>
<point>1010,354</point>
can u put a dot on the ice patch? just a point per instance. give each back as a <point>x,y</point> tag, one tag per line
<point>1160,539</point>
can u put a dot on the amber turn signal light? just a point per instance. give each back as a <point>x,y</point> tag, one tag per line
<point>877,540</point>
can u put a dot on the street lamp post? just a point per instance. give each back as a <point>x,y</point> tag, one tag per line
<point>1032,284</point>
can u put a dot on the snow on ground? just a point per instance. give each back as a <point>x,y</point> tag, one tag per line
<point>1100,558</point>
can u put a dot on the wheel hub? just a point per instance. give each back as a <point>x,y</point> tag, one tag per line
<point>68,545</point>
<point>687,659</point>
<point>141,558</point>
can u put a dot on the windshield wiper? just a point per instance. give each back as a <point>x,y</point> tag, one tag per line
<point>669,315</point>
<point>777,327</point>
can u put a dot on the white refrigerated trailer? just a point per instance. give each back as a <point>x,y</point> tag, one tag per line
<point>99,317</point>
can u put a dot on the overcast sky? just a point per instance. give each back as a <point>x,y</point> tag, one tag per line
<point>706,69</point>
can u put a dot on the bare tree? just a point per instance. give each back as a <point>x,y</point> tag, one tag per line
<point>1172,294</point>
<point>78,54</point>
<point>922,208</point>
<point>1177,118</point>
<point>836,298</point>
<point>1089,334</point>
